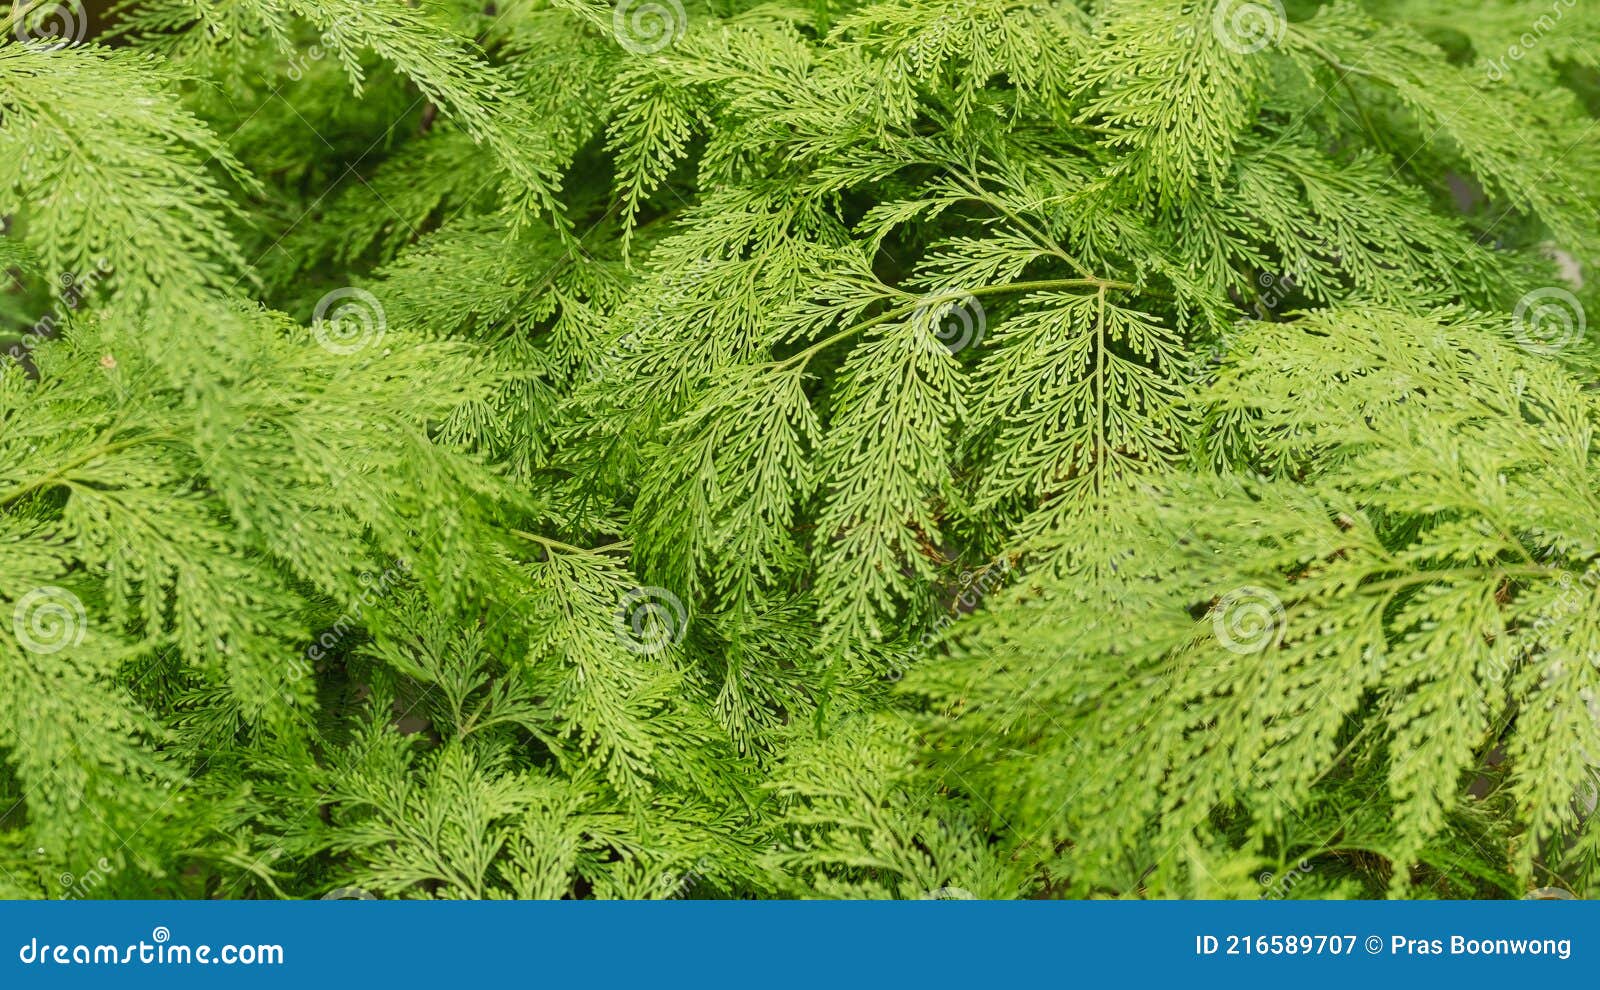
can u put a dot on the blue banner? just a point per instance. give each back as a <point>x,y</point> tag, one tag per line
<point>786,944</point>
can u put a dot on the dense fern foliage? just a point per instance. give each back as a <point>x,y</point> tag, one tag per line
<point>897,448</point>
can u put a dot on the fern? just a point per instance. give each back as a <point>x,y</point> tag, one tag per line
<point>908,448</point>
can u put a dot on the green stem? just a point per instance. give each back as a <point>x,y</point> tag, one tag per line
<point>976,188</point>
<point>550,544</point>
<point>920,303</point>
<point>18,9</point>
<point>1100,412</point>
<point>1471,573</point>
<point>1304,40</point>
<point>59,474</point>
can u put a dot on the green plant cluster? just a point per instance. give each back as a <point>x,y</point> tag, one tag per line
<point>848,448</point>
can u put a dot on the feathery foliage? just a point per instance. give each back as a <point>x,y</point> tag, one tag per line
<point>904,448</point>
